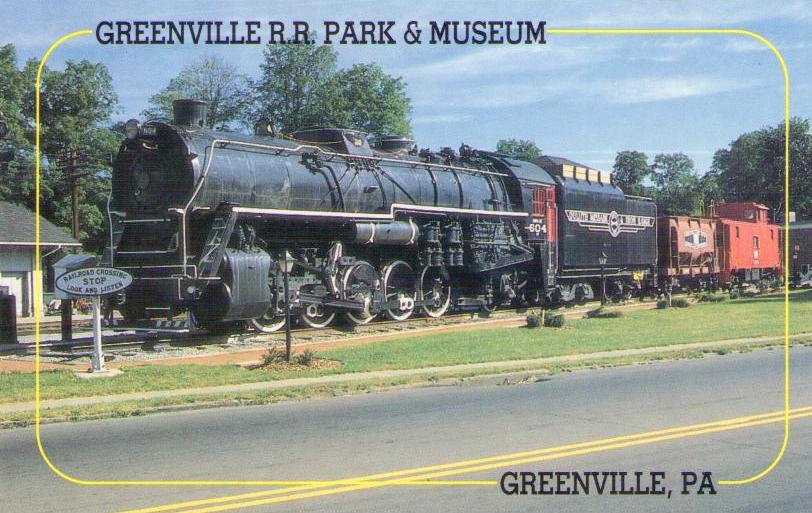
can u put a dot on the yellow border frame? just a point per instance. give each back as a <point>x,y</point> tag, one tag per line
<point>370,483</point>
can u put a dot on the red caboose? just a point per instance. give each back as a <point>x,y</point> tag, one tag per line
<point>748,244</point>
<point>687,251</point>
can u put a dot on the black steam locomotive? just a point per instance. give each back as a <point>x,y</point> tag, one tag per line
<point>209,222</point>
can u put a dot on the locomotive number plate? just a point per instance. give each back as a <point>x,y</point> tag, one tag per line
<point>536,229</point>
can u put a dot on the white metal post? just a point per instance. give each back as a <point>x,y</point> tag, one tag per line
<point>98,356</point>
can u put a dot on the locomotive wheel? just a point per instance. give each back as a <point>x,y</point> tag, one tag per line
<point>435,288</point>
<point>316,316</point>
<point>269,323</point>
<point>359,283</point>
<point>274,317</point>
<point>398,283</point>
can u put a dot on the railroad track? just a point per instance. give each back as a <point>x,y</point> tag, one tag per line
<point>301,336</point>
<point>47,326</point>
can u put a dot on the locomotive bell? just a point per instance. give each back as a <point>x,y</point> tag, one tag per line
<point>190,112</point>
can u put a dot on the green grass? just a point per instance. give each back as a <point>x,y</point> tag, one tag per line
<point>256,397</point>
<point>704,322</point>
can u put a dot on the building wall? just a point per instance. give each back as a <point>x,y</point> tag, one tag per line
<point>17,271</point>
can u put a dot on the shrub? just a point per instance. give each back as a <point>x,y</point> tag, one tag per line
<point>533,321</point>
<point>554,321</point>
<point>712,298</point>
<point>603,313</point>
<point>662,304</point>
<point>306,357</point>
<point>273,355</point>
<point>680,302</point>
<point>735,293</point>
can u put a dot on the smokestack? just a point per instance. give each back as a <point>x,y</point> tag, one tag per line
<point>189,112</point>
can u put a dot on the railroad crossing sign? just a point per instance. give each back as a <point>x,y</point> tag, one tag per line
<point>94,282</point>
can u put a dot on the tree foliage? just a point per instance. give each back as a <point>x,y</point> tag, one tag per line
<point>365,98</point>
<point>521,149</point>
<point>300,86</point>
<point>290,76</point>
<point>676,185</point>
<point>76,103</point>
<point>752,168</point>
<point>211,79</point>
<point>630,170</point>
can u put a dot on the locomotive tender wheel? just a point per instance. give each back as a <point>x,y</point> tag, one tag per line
<point>398,284</point>
<point>316,316</point>
<point>437,289</point>
<point>359,283</point>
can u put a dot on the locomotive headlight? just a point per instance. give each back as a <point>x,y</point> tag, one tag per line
<point>131,128</point>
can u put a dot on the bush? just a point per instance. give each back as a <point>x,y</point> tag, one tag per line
<point>305,358</point>
<point>554,321</point>
<point>680,302</point>
<point>273,355</point>
<point>712,298</point>
<point>533,321</point>
<point>603,313</point>
<point>662,304</point>
<point>735,293</point>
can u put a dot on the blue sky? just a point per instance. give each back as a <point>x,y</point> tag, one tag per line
<point>583,97</point>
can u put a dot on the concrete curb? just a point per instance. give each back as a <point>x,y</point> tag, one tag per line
<point>500,366</point>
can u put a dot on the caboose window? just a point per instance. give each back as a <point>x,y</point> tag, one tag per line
<point>772,235</point>
<point>737,232</point>
<point>755,242</point>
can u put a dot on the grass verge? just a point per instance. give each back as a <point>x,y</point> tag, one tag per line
<point>515,376</point>
<point>744,318</point>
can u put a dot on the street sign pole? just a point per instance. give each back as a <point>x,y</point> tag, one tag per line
<point>98,356</point>
<point>286,271</point>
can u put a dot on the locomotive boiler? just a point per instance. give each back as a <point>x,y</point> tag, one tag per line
<point>207,222</point>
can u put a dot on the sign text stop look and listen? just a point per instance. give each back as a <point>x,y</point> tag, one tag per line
<point>94,281</point>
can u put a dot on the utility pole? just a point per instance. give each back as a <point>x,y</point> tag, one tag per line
<point>74,191</point>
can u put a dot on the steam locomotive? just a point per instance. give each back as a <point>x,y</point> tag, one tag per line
<point>212,224</point>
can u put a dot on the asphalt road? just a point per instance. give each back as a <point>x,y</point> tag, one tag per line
<point>362,435</point>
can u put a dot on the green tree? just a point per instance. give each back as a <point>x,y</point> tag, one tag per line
<point>213,80</point>
<point>11,96</point>
<point>16,152</point>
<point>676,184</point>
<point>300,86</point>
<point>521,149</point>
<point>290,76</point>
<point>630,170</point>
<point>752,168</point>
<point>365,98</point>
<point>76,105</point>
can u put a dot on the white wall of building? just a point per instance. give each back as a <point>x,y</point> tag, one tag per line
<point>17,272</point>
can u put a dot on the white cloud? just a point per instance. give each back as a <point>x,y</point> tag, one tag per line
<point>504,59</point>
<point>658,88</point>
<point>746,45</point>
<point>632,90</point>
<point>439,119</point>
<point>694,13</point>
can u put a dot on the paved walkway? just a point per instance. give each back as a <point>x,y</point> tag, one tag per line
<point>502,366</point>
